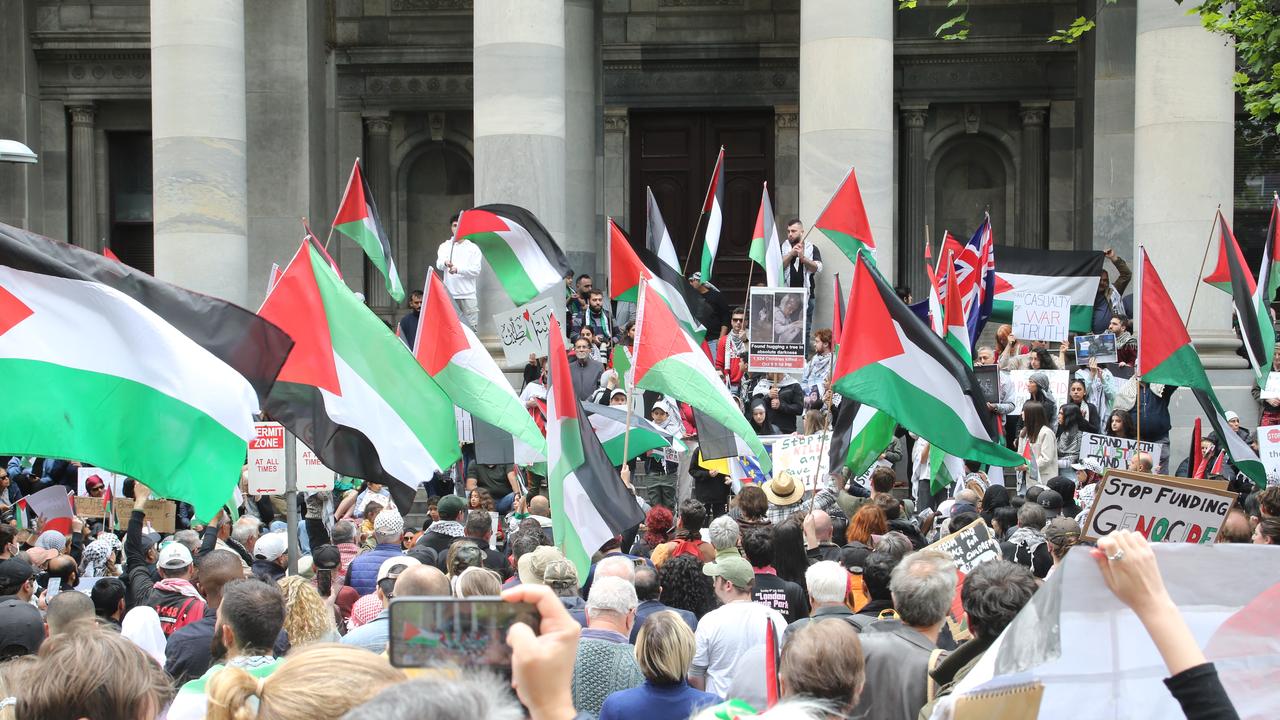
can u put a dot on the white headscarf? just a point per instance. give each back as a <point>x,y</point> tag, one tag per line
<point>142,626</point>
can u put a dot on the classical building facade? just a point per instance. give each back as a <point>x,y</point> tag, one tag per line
<point>192,137</point>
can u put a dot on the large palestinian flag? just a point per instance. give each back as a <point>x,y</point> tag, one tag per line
<point>667,361</point>
<point>844,219</point>
<point>518,248</point>
<point>109,366</point>
<point>357,218</point>
<point>1166,356</point>
<point>628,266</point>
<point>589,503</point>
<point>1247,302</point>
<point>713,210</point>
<point>351,391</point>
<point>1057,272</point>
<point>860,435</point>
<point>610,424</point>
<point>453,355</point>
<point>889,359</point>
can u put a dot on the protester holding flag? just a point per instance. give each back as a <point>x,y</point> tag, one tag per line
<point>459,260</point>
<point>1109,300</point>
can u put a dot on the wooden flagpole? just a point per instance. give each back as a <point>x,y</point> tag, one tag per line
<point>1200,277</point>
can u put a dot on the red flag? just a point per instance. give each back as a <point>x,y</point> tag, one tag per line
<point>106,252</point>
<point>770,664</point>
<point>1197,457</point>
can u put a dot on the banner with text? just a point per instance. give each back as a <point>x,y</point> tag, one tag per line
<point>1159,507</point>
<point>777,330</point>
<point>1269,450</point>
<point>1114,452</point>
<point>802,456</point>
<point>1058,381</point>
<point>526,330</point>
<point>969,547</point>
<point>1041,316</point>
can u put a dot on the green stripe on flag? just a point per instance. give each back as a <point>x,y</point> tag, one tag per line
<point>506,265</point>
<point>1181,369</point>
<point>568,458</point>
<point>362,235</point>
<point>847,244</point>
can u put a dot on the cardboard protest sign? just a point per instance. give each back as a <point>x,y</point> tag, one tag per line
<point>89,507</point>
<point>1269,450</point>
<point>161,514</point>
<point>1058,382</point>
<point>968,547</point>
<point>1096,347</point>
<point>266,459</point>
<point>777,330</point>
<point>1041,316</point>
<point>109,479</point>
<point>1160,508</point>
<point>526,329</point>
<point>802,456</point>
<point>1114,452</point>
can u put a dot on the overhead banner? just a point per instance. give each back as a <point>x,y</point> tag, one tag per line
<point>266,459</point>
<point>777,330</point>
<point>1116,453</point>
<point>525,330</point>
<point>1058,381</point>
<point>1158,507</point>
<point>1041,316</point>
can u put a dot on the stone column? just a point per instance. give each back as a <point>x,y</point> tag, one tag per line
<point>911,269</point>
<point>846,119</point>
<point>198,145</point>
<point>584,229</point>
<point>520,105</point>
<point>377,169</point>
<point>84,179</point>
<point>1031,181</point>
<point>1184,133</point>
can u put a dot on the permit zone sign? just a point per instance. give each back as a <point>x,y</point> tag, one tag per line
<point>1160,508</point>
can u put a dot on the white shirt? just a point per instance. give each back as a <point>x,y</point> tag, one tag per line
<point>465,257</point>
<point>726,634</point>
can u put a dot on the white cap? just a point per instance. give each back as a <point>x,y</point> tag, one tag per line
<point>403,561</point>
<point>174,556</point>
<point>1231,415</point>
<point>271,546</point>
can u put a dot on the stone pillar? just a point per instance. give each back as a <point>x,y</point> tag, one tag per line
<point>520,103</point>
<point>1184,133</point>
<point>84,179</point>
<point>376,166</point>
<point>198,145</point>
<point>911,269</point>
<point>846,119</point>
<point>1031,180</point>
<point>584,227</point>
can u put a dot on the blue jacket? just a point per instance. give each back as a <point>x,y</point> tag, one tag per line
<point>657,702</point>
<point>649,607</point>
<point>362,574</point>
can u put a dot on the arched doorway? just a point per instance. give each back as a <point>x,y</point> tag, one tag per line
<point>972,175</point>
<point>438,184</point>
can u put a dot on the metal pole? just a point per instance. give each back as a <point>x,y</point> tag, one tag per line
<point>291,498</point>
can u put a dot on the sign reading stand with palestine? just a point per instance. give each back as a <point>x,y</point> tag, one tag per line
<point>1160,508</point>
<point>1116,453</point>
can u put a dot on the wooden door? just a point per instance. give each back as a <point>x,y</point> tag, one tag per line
<point>673,152</point>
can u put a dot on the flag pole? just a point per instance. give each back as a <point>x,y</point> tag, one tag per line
<point>817,470</point>
<point>684,270</point>
<point>1203,260</point>
<point>626,430</point>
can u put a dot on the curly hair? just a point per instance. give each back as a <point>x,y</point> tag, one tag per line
<point>657,524</point>
<point>306,617</point>
<point>685,587</point>
<point>868,521</point>
<point>486,500</point>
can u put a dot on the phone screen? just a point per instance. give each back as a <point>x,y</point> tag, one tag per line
<point>455,632</point>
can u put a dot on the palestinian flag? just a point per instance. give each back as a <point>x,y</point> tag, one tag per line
<point>1247,301</point>
<point>1057,272</point>
<point>945,470</point>
<point>860,435</point>
<point>955,330</point>
<point>610,425</point>
<point>589,503</point>
<point>109,366</point>
<point>1265,294</point>
<point>667,360</point>
<point>628,266</point>
<point>892,361</point>
<point>765,247</point>
<point>837,314</point>
<point>621,363</point>
<point>949,242</point>
<point>453,356</point>
<point>518,248</point>
<point>51,505</point>
<point>1229,258</point>
<point>358,219</point>
<point>351,390</point>
<point>844,219</point>
<point>937,311</point>
<point>657,239</point>
<point>1166,356</point>
<point>713,209</point>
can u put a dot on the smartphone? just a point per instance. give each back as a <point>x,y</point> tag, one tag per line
<point>455,632</point>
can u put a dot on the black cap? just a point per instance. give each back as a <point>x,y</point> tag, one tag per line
<point>21,628</point>
<point>1051,501</point>
<point>326,557</point>
<point>149,540</point>
<point>12,574</point>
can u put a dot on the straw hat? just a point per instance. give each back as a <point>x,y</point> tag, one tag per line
<point>783,489</point>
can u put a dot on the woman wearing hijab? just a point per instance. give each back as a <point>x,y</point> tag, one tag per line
<point>1039,390</point>
<point>996,496</point>
<point>759,419</point>
<point>141,625</point>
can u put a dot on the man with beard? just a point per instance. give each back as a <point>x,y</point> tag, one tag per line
<point>187,654</point>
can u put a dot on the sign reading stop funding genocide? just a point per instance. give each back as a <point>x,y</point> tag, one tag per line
<point>1160,508</point>
<point>1116,453</point>
<point>1040,316</point>
<point>1269,450</point>
<point>266,459</point>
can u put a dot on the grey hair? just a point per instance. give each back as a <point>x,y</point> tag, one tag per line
<point>246,528</point>
<point>894,543</point>
<point>725,533</point>
<point>967,495</point>
<point>611,594</point>
<point>1031,515</point>
<point>923,586</point>
<point>618,566</point>
<point>188,538</point>
<point>827,582</point>
<point>343,531</point>
<point>464,696</point>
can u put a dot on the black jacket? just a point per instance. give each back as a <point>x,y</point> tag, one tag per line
<point>141,576</point>
<point>790,406</point>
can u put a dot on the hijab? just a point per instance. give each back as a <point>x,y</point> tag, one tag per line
<point>996,496</point>
<point>142,626</point>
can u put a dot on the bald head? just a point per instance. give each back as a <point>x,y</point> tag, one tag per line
<point>422,580</point>
<point>1235,529</point>
<point>540,506</point>
<point>66,608</point>
<point>213,571</point>
<point>822,525</point>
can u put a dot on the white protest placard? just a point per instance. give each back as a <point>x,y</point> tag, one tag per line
<point>266,459</point>
<point>1114,452</point>
<point>109,480</point>
<point>1041,316</point>
<point>313,476</point>
<point>1158,507</point>
<point>527,328</point>
<point>802,456</point>
<point>777,330</point>
<point>1269,450</point>
<point>1058,382</point>
<point>1271,391</point>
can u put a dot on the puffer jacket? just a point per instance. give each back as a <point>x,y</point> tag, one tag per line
<point>362,573</point>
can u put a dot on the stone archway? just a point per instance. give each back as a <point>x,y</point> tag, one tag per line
<point>436,184</point>
<point>971,176</point>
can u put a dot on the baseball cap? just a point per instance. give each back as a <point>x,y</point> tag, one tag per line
<point>450,506</point>
<point>149,540</point>
<point>1062,530</point>
<point>388,522</point>
<point>732,568</point>
<point>393,566</point>
<point>271,546</point>
<point>21,628</point>
<point>1092,464</point>
<point>618,391</point>
<point>13,573</point>
<point>1051,501</point>
<point>174,556</point>
<point>326,557</point>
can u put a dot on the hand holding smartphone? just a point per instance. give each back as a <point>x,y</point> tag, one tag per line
<point>456,632</point>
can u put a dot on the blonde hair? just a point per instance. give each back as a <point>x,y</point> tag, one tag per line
<point>478,581</point>
<point>307,618</point>
<point>664,648</point>
<point>302,688</point>
<point>13,679</point>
